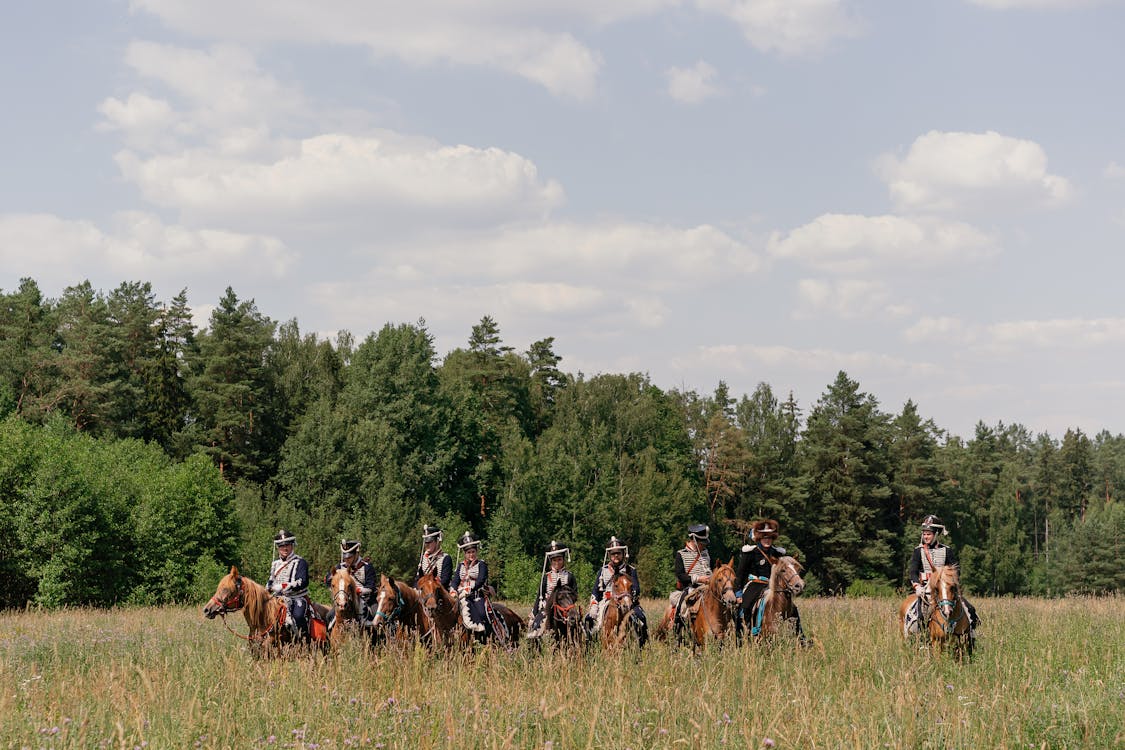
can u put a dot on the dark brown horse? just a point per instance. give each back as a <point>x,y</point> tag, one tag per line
<point>398,604</point>
<point>505,626</point>
<point>949,619</point>
<point>563,618</point>
<point>615,611</point>
<point>346,606</point>
<point>777,605</point>
<point>265,615</point>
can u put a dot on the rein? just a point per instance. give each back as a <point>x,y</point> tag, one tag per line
<point>399,602</point>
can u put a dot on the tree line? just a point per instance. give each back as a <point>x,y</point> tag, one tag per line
<point>140,455</point>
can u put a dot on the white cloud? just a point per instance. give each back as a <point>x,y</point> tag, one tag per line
<point>945,171</point>
<point>1113,171</point>
<point>1001,338</point>
<point>749,358</point>
<point>846,298</point>
<point>693,85</point>
<point>525,39</point>
<point>940,329</point>
<point>788,27</point>
<point>136,246</point>
<point>382,180</point>
<point>849,243</point>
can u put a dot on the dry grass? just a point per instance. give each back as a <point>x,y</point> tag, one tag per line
<point>1047,674</point>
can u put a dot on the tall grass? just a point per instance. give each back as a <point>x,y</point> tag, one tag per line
<point>1046,674</point>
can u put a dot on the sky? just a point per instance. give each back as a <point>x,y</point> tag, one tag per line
<point>927,195</point>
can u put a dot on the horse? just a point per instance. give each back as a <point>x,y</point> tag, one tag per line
<point>441,608</point>
<point>776,605</point>
<point>505,625</point>
<point>346,605</point>
<point>715,603</point>
<point>265,614</point>
<point>615,611</point>
<point>716,606</point>
<point>397,603</point>
<point>949,619</point>
<point>563,618</point>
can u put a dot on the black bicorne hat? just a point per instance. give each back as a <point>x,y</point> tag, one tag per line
<point>468,539</point>
<point>555,549</point>
<point>614,545</point>
<point>699,531</point>
<point>934,524</point>
<point>284,537</point>
<point>349,546</point>
<point>430,533</point>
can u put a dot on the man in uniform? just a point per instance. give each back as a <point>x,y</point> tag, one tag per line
<point>468,583</point>
<point>615,561</point>
<point>433,559</point>
<point>289,579</point>
<point>693,570</point>
<point>363,573</point>
<point>554,575</point>
<point>929,555</point>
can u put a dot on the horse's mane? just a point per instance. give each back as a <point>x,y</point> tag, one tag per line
<point>255,602</point>
<point>781,564</point>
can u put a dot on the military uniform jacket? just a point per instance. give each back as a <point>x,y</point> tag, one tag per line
<point>552,580</point>
<point>691,566</point>
<point>289,577</point>
<point>920,568</point>
<point>754,566</point>
<point>439,563</point>
<point>470,579</point>
<point>604,580</point>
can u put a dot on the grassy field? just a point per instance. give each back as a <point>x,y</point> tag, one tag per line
<point>1047,674</point>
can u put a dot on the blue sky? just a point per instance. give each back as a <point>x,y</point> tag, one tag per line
<point>927,195</point>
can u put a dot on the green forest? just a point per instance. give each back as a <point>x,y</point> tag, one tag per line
<point>141,456</point>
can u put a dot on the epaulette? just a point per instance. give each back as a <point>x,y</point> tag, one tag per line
<point>747,547</point>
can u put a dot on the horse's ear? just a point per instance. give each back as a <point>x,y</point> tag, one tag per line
<point>731,563</point>
<point>234,571</point>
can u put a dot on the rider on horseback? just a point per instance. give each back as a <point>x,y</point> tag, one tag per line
<point>433,559</point>
<point>693,570</point>
<point>362,571</point>
<point>554,574</point>
<point>928,555</point>
<point>289,580</point>
<point>615,562</point>
<point>755,563</point>
<point>468,584</point>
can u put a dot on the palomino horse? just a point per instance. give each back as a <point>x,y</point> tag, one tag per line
<point>265,615</point>
<point>563,618</point>
<point>712,612</point>
<point>949,620</point>
<point>441,608</point>
<point>346,606</point>
<point>776,606</point>
<point>396,603</point>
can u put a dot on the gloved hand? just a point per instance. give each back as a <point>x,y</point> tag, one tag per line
<point>780,551</point>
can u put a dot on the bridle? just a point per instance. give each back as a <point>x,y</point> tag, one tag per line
<point>788,574</point>
<point>346,594</point>
<point>233,603</point>
<point>399,603</point>
<point>726,596</point>
<point>948,603</point>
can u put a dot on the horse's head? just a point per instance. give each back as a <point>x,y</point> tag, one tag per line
<point>227,596</point>
<point>721,584</point>
<point>345,593</point>
<point>621,590</point>
<point>388,601</point>
<point>786,576</point>
<point>945,588</point>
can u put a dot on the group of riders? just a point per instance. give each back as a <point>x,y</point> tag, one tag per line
<point>467,579</point>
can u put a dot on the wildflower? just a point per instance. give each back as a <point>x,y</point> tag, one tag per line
<point>768,742</point>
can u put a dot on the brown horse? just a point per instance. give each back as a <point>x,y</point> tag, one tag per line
<point>615,611</point>
<point>716,606</point>
<point>398,604</point>
<point>777,605</point>
<point>346,605</point>
<point>712,612</point>
<point>265,615</point>
<point>505,626</point>
<point>441,608</point>
<point>949,619</point>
